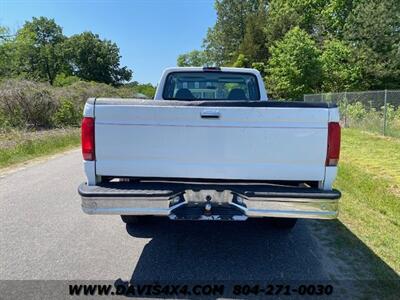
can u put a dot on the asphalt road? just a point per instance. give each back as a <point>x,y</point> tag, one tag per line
<point>45,235</point>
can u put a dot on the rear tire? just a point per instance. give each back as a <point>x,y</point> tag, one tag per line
<point>284,223</point>
<point>132,219</point>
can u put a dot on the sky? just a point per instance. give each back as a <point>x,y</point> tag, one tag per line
<point>150,33</point>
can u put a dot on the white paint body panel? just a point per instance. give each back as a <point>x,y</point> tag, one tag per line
<point>244,143</point>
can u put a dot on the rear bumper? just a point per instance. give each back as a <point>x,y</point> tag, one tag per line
<point>188,201</point>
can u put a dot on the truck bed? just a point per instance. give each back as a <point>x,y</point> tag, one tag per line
<point>249,140</point>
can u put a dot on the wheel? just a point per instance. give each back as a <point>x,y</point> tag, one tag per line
<point>132,219</point>
<point>284,223</point>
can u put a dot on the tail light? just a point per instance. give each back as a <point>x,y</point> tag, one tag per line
<point>332,157</point>
<point>87,131</point>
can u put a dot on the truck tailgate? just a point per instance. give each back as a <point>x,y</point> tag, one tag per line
<point>147,139</point>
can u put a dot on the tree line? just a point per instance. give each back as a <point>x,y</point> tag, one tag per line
<point>39,51</point>
<point>46,77</point>
<point>307,46</point>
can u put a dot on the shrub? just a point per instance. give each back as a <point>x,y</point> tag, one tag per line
<point>30,104</point>
<point>393,119</point>
<point>80,91</point>
<point>391,112</point>
<point>359,116</point>
<point>64,80</point>
<point>397,115</point>
<point>26,104</point>
<point>356,111</point>
<point>67,114</point>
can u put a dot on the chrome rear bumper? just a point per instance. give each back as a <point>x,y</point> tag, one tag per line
<point>194,201</point>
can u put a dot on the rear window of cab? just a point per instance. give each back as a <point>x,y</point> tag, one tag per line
<point>193,86</point>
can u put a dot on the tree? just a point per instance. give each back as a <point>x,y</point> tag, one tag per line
<point>6,53</point>
<point>332,18</point>
<point>96,60</point>
<point>38,50</point>
<point>283,15</point>
<point>41,52</point>
<point>359,41</point>
<point>373,28</point>
<point>242,62</point>
<point>223,40</point>
<point>4,34</point>
<point>322,19</point>
<point>341,71</point>
<point>294,68</point>
<point>193,58</point>
<point>254,43</point>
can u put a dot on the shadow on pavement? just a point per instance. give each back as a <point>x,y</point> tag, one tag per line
<point>251,251</point>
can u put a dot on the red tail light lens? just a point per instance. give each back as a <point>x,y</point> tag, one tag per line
<point>332,157</point>
<point>87,131</point>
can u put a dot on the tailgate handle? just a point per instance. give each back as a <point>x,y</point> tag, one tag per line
<point>210,114</point>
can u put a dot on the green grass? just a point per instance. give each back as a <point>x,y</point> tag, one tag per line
<point>369,179</point>
<point>17,147</point>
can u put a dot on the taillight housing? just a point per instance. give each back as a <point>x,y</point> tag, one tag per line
<point>87,138</point>
<point>332,156</point>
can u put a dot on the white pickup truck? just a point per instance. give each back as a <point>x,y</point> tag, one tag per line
<point>210,146</point>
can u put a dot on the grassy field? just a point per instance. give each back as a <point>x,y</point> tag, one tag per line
<point>369,178</point>
<point>20,146</point>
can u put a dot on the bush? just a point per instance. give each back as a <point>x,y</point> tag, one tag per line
<point>64,80</point>
<point>356,111</point>
<point>357,115</point>
<point>4,124</point>
<point>393,119</point>
<point>26,104</point>
<point>391,112</point>
<point>397,115</point>
<point>67,114</point>
<point>80,91</point>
